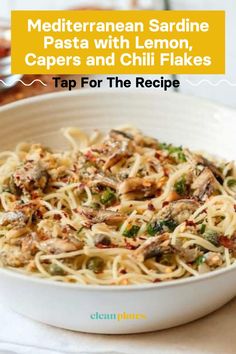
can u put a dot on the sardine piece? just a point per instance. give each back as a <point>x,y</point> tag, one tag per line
<point>139,188</point>
<point>31,176</point>
<point>12,218</point>
<point>179,210</point>
<point>154,247</point>
<point>204,185</point>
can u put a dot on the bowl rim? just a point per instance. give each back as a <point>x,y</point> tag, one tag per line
<point>104,91</point>
<point>120,288</point>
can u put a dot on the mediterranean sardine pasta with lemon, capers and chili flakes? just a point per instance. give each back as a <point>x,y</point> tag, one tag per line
<point>115,210</point>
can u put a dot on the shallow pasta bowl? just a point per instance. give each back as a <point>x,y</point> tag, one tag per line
<point>174,118</point>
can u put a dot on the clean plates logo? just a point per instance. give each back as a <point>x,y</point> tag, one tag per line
<point>119,316</point>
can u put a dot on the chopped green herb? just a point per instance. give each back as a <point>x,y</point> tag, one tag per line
<point>174,151</point>
<point>231,183</point>
<point>96,264</point>
<point>170,148</point>
<point>212,237</point>
<point>79,231</point>
<point>203,228</point>
<point>160,226</point>
<point>163,146</point>
<point>154,228</point>
<point>171,224</point>
<point>181,157</point>
<point>200,260</point>
<point>132,231</point>
<point>107,197</point>
<point>180,186</point>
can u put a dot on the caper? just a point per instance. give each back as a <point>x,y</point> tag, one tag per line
<point>212,236</point>
<point>55,269</point>
<point>102,239</point>
<point>96,264</point>
<point>167,259</point>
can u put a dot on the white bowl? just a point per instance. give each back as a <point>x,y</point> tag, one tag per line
<point>170,117</point>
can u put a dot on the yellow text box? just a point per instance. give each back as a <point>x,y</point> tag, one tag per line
<point>118,42</point>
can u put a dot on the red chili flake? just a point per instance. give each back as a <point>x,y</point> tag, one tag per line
<point>65,179</point>
<point>235,207</point>
<point>57,217</point>
<point>227,242</point>
<point>101,245</point>
<point>156,281</point>
<point>38,214</point>
<point>190,223</point>
<point>123,271</point>
<point>34,195</point>
<point>158,192</point>
<point>165,203</point>
<point>87,225</point>
<point>128,246</point>
<point>166,173</point>
<point>157,155</point>
<point>90,156</point>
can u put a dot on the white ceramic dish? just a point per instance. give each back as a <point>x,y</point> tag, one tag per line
<point>170,117</point>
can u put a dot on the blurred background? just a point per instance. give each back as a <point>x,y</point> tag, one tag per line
<point>219,88</point>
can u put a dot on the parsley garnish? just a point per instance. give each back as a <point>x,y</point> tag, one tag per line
<point>157,227</point>
<point>174,151</point>
<point>107,197</point>
<point>203,228</point>
<point>131,231</point>
<point>200,260</point>
<point>180,186</point>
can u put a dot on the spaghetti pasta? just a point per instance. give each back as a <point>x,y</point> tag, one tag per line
<point>115,210</point>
